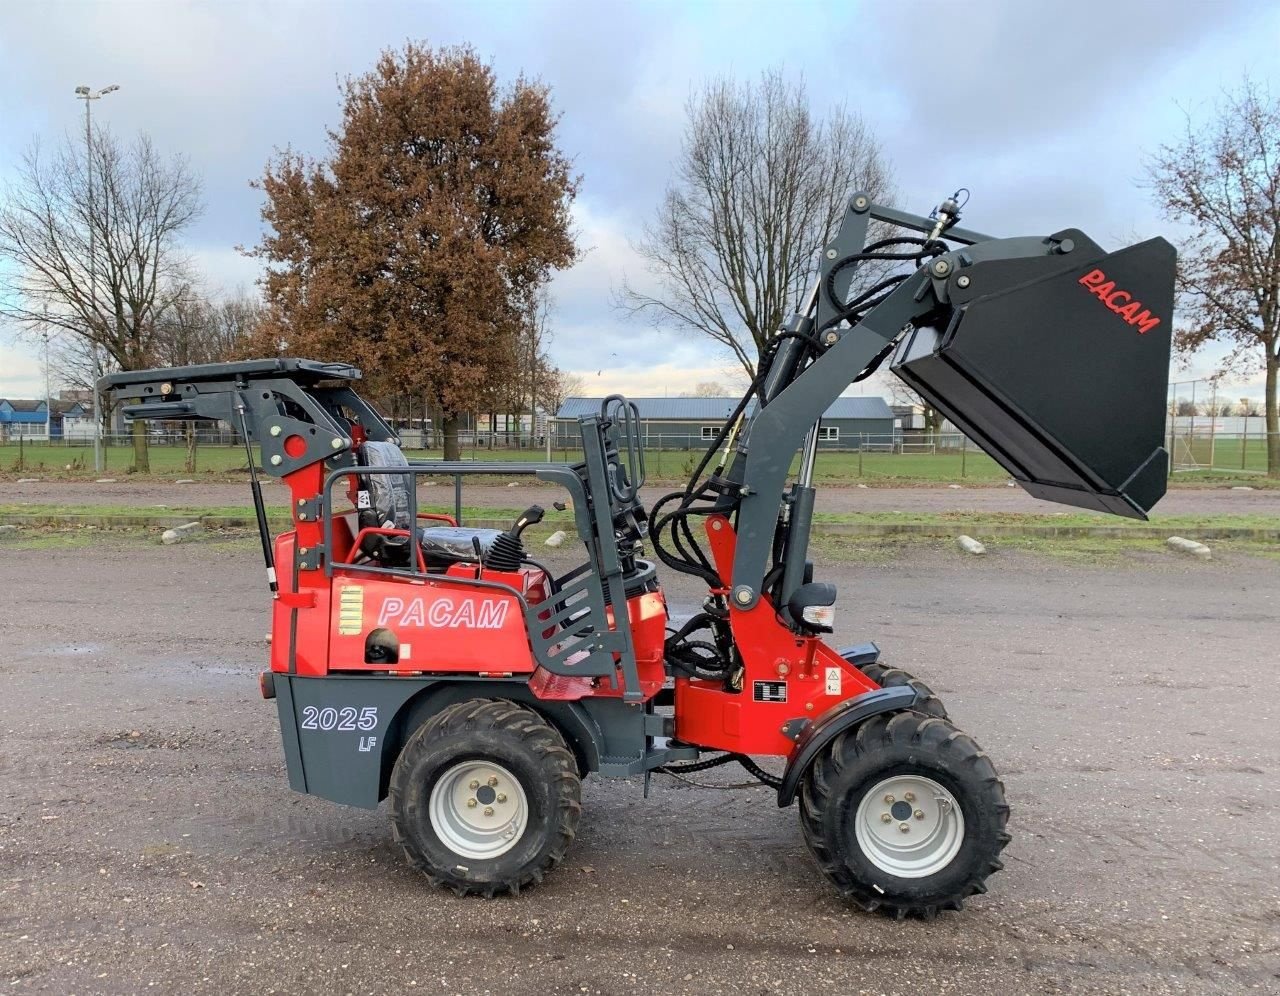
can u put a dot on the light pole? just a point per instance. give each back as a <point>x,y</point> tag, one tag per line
<point>48,394</point>
<point>88,96</point>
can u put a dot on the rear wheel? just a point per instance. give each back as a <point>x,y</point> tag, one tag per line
<point>905,814</point>
<point>485,798</point>
<point>894,677</point>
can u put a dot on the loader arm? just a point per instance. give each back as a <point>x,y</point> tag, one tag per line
<point>1048,352</point>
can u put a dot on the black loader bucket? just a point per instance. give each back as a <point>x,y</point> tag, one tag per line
<point>1059,368</point>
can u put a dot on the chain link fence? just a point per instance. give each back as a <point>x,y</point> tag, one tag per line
<point>1221,444</point>
<point>1194,444</point>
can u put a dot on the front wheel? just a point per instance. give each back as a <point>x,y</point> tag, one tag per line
<point>905,814</point>
<point>894,677</point>
<point>485,797</point>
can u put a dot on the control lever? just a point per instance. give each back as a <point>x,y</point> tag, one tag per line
<point>531,516</point>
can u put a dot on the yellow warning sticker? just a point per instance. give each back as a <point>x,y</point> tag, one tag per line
<point>350,610</point>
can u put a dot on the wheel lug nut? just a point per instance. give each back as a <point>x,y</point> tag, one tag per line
<point>888,799</point>
<point>488,811</point>
<point>905,828</point>
<point>919,814</point>
<point>471,804</point>
<point>502,797</point>
<point>910,796</point>
<point>474,785</point>
<point>885,818</point>
<point>493,780</point>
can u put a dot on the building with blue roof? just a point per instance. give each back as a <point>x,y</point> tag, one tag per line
<point>22,418</point>
<point>692,423</point>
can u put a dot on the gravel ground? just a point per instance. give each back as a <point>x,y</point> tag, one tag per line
<point>149,842</point>
<point>938,498</point>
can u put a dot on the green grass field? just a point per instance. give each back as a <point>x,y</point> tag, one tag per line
<point>1228,454</point>
<point>972,465</point>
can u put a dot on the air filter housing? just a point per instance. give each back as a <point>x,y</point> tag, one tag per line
<point>1059,367</point>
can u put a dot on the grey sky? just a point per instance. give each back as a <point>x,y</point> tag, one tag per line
<point>1042,110</point>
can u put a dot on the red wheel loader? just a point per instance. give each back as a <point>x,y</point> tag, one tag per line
<point>441,667</point>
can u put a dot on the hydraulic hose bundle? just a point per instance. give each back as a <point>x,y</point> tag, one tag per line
<point>674,540</point>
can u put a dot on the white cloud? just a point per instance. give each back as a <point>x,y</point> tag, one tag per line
<point>1044,112</point>
<point>661,380</point>
<point>225,271</point>
<point>22,371</point>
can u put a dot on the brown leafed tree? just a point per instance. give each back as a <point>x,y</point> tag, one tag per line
<point>1222,180</point>
<point>140,204</point>
<point>417,245</point>
<point>760,187</point>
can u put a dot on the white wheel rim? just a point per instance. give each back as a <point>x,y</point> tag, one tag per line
<point>934,826</point>
<point>478,809</point>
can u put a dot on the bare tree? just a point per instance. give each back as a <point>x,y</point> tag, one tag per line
<point>1187,408</point>
<point>196,329</point>
<point>710,389</point>
<point>903,395</point>
<point>1250,407</point>
<point>1222,179</point>
<point>561,386</point>
<point>536,373</point>
<point>760,186</point>
<point>141,204</point>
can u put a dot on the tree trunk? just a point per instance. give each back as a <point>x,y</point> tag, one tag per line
<point>933,425</point>
<point>1273,418</point>
<point>450,426</point>
<point>141,457</point>
<point>192,441</point>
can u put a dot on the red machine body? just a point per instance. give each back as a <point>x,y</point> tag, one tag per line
<point>446,624</point>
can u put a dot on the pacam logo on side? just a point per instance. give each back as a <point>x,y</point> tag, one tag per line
<point>1120,301</point>
<point>444,613</point>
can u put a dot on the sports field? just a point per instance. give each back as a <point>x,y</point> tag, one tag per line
<point>1231,457</point>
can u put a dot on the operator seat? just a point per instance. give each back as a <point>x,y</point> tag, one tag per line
<point>388,507</point>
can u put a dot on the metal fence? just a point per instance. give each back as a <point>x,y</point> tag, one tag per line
<point>1205,448</point>
<point>1194,445</point>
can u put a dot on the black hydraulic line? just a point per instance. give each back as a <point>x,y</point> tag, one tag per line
<point>686,555</point>
<point>876,360</point>
<point>753,769</point>
<point>696,562</point>
<point>869,253</point>
<point>259,508</point>
<point>692,766</point>
<point>866,301</point>
<point>551,578</point>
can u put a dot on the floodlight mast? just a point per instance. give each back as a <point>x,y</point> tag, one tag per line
<point>88,96</point>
